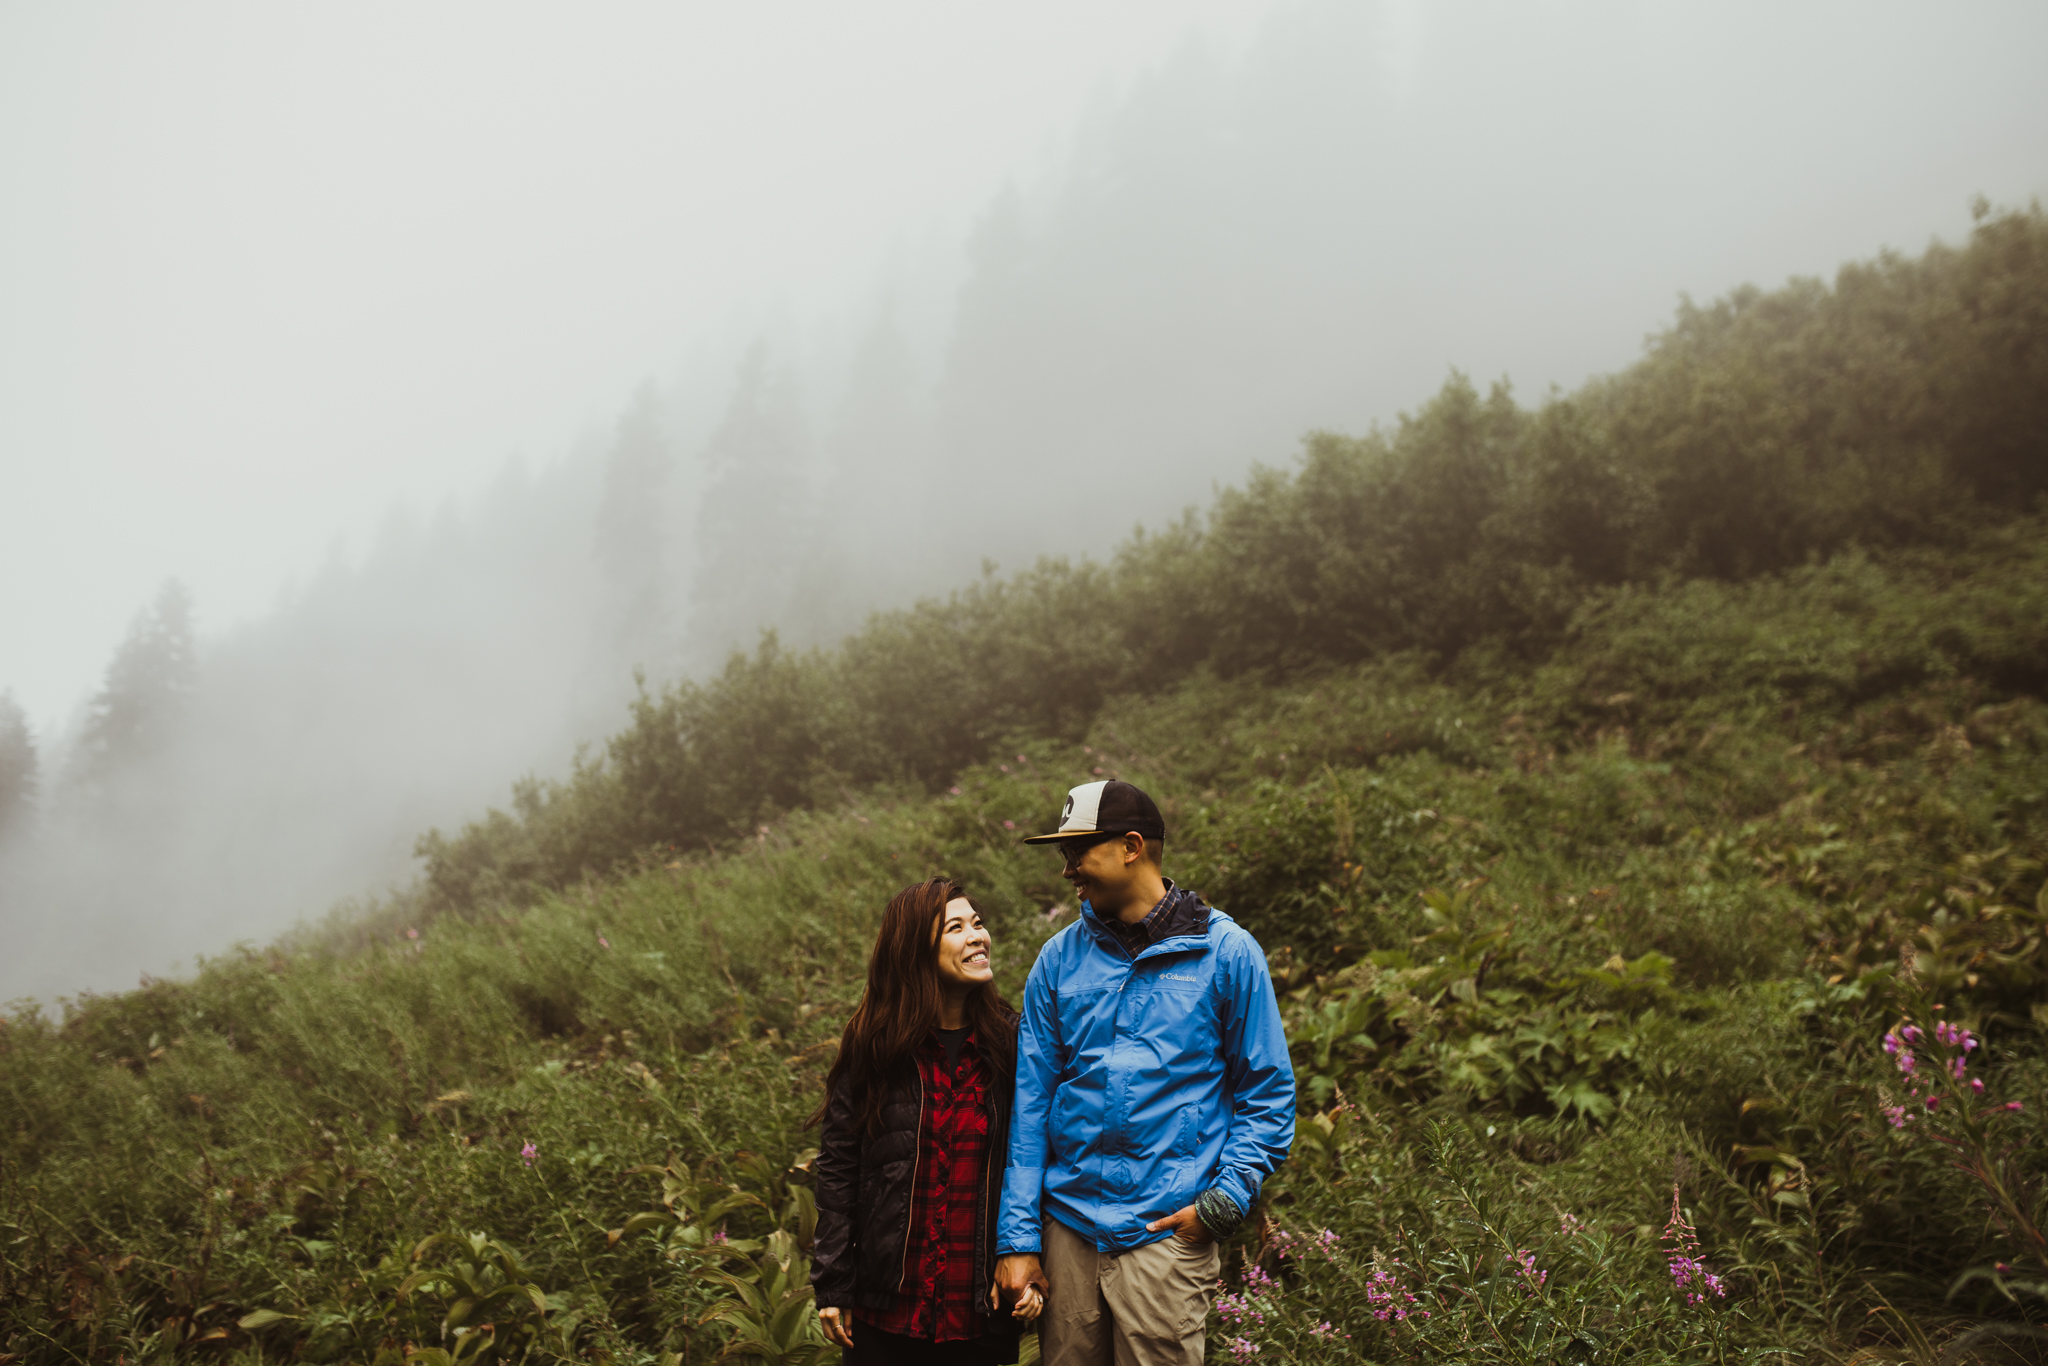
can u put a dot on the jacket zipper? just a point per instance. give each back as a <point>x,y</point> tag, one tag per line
<point>910,1207</point>
<point>999,1133</point>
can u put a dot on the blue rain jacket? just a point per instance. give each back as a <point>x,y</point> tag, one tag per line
<point>1142,1082</point>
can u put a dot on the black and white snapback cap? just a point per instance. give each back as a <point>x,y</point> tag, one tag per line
<point>1110,807</point>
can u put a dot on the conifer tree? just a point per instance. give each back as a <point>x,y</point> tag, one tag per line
<point>148,684</point>
<point>631,544</point>
<point>17,767</point>
<point>748,527</point>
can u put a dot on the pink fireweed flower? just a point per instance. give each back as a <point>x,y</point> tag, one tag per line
<point>1911,1033</point>
<point>1906,1063</point>
<point>2012,1105</point>
<point>1256,1280</point>
<point>1933,1102</point>
<point>718,1235</point>
<point>1326,1240</point>
<point>1009,825</point>
<point>1689,1274</point>
<point>1977,1085</point>
<point>1956,1067</point>
<point>1694,1281</point>
<point>603,942</point>
<point>528,1153</point>
<point>1891,1043</point>
<point>1324,1330</point>
<point>412,934</point>
<point>1242,1349</point>
<point>1897,1115</point>
<point>1390,1301</point>
<point>1955,1036</point>
<point>1525,1268</point>
<point>1569,1225</point>
<point>1241,1311</point>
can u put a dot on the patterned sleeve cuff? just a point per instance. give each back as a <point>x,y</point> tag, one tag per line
<point>1218,1212</point>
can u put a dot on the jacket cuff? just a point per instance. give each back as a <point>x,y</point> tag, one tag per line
<point>1020,1229</point>
<point>1241,1191</point>
<point>1219,1213</point>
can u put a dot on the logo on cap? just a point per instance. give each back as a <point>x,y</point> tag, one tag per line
<point>1108,807</point>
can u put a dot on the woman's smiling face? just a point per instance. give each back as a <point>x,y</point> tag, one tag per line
<point>963,947</point>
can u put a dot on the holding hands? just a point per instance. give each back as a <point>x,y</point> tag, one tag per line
<point>1021,1276</point>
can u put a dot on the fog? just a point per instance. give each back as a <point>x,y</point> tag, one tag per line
<point>457,365</point>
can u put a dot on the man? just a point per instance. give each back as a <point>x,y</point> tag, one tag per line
<point>1154,1095</point>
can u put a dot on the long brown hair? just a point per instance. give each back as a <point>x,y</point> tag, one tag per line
<point>900,1007</point>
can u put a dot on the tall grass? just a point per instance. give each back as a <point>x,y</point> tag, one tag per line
<point>1552,944</point>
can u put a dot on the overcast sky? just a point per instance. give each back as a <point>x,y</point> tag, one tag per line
<point>266,269</point>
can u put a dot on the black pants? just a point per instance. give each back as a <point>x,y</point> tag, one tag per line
<point>873,1347</point>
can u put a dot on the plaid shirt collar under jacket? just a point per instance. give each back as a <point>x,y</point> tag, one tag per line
<point>936,1300</point>
<point>1173,915</point>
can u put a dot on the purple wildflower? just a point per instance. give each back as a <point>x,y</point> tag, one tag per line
<point>1242,1349</point>
<point>1241,1311</point>
<point>1324,1330</point>
<point>1569,1225</point>
<point>1525,1267</point>
<point>1688,1272</point>
<point>529,1153</point>
<point>1694,1281</point>
<point>1391,1301</point>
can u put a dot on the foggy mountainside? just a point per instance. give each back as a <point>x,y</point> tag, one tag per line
<point>1304,237</point>
<point>1642,798</point>
<point>1906,404</point>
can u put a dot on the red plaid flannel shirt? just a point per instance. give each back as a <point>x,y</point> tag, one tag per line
<point>936,1302</point>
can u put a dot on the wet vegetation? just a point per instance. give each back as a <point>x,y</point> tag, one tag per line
<point>1643,799</point>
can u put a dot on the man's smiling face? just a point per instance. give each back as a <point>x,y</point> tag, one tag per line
<point>1095,867</point>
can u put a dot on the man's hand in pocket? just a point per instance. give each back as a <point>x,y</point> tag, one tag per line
<point>1186,1225</point>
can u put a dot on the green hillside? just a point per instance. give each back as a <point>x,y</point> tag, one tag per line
<point>1605,779</point>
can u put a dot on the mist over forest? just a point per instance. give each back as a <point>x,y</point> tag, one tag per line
<point>1236,252</point>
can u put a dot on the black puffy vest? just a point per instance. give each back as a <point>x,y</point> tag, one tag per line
<point>863,1184</point>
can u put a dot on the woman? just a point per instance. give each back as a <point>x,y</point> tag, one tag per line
<point>916,1125</point>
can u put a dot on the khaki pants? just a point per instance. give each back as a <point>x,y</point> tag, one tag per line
<point>1144,1308</point>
